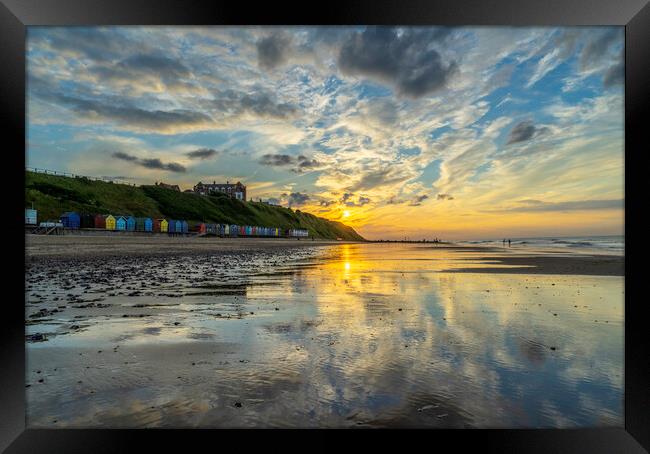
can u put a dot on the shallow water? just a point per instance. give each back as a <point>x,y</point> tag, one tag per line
<point>367,335</point>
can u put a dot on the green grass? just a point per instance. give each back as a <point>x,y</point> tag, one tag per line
<point>53,195</point>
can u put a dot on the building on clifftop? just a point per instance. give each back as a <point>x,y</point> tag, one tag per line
<point>235,191</point>
<point>173,187</point>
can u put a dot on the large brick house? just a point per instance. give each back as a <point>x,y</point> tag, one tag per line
<point>236,190</point>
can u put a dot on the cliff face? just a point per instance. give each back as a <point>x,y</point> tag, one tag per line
<point>53,195</point>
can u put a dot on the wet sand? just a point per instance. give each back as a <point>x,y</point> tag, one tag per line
<point>548,263</point>
<point>79,246</point>
<point>334,335</point>
<point>518,260</point>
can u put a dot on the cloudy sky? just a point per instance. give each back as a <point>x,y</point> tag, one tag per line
<point>460,133</point>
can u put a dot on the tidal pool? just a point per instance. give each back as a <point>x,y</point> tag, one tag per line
<point>350,335</point>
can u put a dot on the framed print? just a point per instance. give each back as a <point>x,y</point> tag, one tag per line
<point>373,216</point>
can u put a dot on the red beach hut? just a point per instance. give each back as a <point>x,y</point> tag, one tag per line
<point>100,221</point>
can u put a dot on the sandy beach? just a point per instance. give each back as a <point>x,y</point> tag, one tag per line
<point>517,260</point>
<point>125,332</point>
<point>80,247</point>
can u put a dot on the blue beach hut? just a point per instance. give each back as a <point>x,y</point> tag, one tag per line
<point>70,220</point>
<point>120,223</point>
<point>171,226</point>
<point>130,223</point>
<point>179,227</point>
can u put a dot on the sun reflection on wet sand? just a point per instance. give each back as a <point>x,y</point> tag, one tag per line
<point>349,335</point>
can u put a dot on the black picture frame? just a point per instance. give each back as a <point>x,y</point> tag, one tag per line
<point>16,15</point>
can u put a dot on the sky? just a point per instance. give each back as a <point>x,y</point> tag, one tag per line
<point>418,132</point>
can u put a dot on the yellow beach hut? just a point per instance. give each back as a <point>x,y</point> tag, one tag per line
<point>110,222</point>
<point>160,225</point>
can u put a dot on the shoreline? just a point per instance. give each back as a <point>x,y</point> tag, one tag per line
<point>575,265</point>
<point>95,246</point>
<point>490,259</point>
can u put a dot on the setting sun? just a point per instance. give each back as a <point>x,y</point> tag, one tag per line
<point>346,214</point>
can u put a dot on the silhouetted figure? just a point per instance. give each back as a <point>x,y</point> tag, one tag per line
<point>504,242</point>
<point>508,242</point>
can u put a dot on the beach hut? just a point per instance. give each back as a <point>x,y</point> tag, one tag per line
<point>130,223</point>
<point>110,222</point>
<point>226,230</point>
<point>171,226</point>
<point>178,228</point>
<point>87,221</point>
<point>212,229</point>
<point>30,216</point>
<point>185,227</point>
<point>143,224</point>
<point>139,224</point>
<point>70,220</point>
<point>234,230</point>
<point>120,223</point>
<point>202,227</point>
<point>100,221</point>
<point>160,225</point>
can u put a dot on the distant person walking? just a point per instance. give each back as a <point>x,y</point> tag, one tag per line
<point>508,242</point>
<point>504,242</point>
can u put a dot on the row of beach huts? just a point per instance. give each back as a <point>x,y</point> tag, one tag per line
<point>75,221</point>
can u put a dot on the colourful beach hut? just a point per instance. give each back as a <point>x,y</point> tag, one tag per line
<point>31,216</point>
<point>160,225</point>
<point>234,230</point>
<point>178,227</point>
<point>185,227</point>
<point>110,222</point>
<point>100,221</point>
<point>87,221</point>
<point>120,223</point>
<point>202,227</point>
<point>140,224</point>
<point>171,226</point>
<point>211,229</point>
<point>130,223</point>
<point>70,220</point>
<point>226,230</point>
<point>147,224</point>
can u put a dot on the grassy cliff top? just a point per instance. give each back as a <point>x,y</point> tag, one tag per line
<point>53,195</point>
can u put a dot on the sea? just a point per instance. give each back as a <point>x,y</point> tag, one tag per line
<point>606,244</point>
